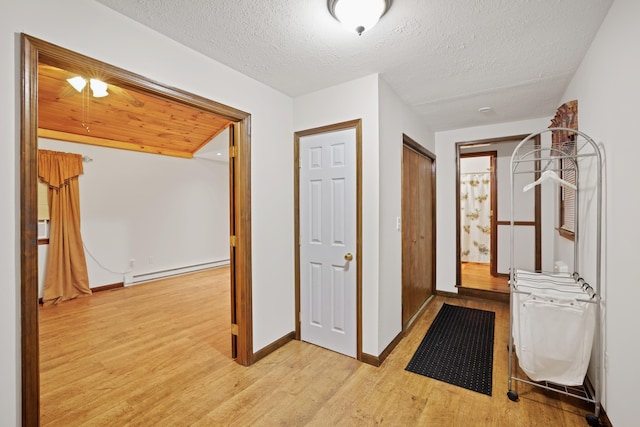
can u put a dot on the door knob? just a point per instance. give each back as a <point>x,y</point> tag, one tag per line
<point>348,256</point>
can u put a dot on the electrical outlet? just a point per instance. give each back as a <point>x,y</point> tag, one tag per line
<point>606,362</point>
<point>151,260</point>
<point>132,262</point>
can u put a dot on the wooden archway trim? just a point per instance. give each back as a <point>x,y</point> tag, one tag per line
<point>34,51</point>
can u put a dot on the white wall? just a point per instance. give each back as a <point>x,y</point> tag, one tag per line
<point>395,119</point>
<point>445,188</point>
<point>163,212</point>
<point>99,32</point>
<point>607,88</point>
<point>357,99</point>
<point>475,164</point>
<point>384,120</point>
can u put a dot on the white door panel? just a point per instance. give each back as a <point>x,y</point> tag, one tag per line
<point>524,212</point>
<point>327,233</point>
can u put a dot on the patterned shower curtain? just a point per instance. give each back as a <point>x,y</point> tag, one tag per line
<point>475,209</point>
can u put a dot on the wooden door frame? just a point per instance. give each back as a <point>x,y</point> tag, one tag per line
<point>416,147</point>
<point>493,155</point>
<point>34,50</point>
<point>352,124</point>
<point>537,203</point>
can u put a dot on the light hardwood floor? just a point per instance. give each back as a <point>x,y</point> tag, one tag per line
<point>158,355</point>
<point>478,276</point>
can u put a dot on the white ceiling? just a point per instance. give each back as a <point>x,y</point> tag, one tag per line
<point>217,149</point>
<point>444,58</point>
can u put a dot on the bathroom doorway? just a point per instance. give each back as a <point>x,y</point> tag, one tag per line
<point>483,218</point>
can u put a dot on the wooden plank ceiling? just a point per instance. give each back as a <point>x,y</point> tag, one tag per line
<point>123,119</point>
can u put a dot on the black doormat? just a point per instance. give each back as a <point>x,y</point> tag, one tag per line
<point>458,349</point>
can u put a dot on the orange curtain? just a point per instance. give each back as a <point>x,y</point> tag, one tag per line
<point>66,275</point>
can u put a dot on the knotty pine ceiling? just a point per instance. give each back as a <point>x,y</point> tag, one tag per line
<point>124,119</point>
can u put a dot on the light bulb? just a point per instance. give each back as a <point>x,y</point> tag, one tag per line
<point>77,82</point>
<point>359,15</point>
<point>99,88</point>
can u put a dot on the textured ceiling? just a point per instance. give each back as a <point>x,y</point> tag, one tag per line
<point>444,58</point>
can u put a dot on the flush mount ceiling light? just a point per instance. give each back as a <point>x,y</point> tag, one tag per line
<point>358,15</point>
<point>98,87</point>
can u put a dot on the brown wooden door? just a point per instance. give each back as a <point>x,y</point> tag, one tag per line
<point>418,243</point>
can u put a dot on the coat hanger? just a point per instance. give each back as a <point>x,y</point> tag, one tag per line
<point>546,175</point>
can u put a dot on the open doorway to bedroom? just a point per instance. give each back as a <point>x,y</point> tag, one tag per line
<point>133,89</point>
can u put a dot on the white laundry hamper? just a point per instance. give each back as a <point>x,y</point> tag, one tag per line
<point>553,337</point>
<point>555,322</point>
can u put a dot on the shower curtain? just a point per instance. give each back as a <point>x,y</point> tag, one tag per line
<point>475,217</point>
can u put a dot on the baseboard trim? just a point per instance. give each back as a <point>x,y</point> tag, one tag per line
<point>98,289</point>
<point>137,279</point>
<point>479,295</point>
<point>484,294</point>
<point>415,317</point>
<point>370,360</point>
<point>604,419</point>
<point>263,352</point>
<point>378,360</point>
<point>447,294</point>
<point>108,287</point>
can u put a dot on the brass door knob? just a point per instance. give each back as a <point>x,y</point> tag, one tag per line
<point>348,256</point>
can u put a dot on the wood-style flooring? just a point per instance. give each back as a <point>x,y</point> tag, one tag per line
<point>476,275</point>
<point>158,354</point>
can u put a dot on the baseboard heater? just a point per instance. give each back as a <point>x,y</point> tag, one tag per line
<point>161,274</point>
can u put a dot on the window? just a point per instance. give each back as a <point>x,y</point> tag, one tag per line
<point>43,210</point>
<point>567,200</point>
<point>564,141</point>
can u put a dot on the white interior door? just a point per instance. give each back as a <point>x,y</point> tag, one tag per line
<point>524,214</point>
<point>328,240</point>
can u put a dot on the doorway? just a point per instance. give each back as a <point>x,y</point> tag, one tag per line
<point>328,218</point>
<point>483,218</point>
<point>35,52</point>
<point>478,203</point>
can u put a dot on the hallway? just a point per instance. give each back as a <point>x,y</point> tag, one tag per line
<point>158,354</point>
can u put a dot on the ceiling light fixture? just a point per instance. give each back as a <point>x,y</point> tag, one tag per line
<point>98,87</point>
<point>77,82</point>
<point>358,15</point>
<point>98,90</point>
